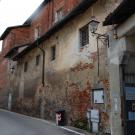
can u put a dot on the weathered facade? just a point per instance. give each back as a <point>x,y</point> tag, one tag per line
<point>121,56</point>
<point>16,36</point>
<point>74,66</point>
<point>3,79</point>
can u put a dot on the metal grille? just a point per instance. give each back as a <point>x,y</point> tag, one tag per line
<point>84,36</point>
<point>129,79</point>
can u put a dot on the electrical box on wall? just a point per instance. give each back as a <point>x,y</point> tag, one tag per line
<point>98,96</point>
<point>95,120</point>
<point>94,115</point>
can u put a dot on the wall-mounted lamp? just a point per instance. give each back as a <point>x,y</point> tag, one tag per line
<point>93,26</point>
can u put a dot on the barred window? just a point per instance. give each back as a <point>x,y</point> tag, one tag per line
<point>84,36</point>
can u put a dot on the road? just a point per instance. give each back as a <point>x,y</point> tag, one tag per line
<point>16,124</point>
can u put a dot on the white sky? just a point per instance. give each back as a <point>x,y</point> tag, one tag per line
<point>15,12</point>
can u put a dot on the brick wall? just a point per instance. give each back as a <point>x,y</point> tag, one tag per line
<point>20,36</point>
<point>46,17</point>
<point>69,79</point>
<point>16,37</point>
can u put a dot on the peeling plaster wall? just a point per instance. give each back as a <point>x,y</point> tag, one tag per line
<point>46,17</point>
<point>70,78</point>
<point>121,51</point>
<point>18,36</point>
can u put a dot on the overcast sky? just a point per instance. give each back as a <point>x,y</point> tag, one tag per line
<point>15,12</point>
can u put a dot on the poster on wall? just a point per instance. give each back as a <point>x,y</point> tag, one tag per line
<point>98,96</point>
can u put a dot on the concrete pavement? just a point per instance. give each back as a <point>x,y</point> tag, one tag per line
<point>16,124</point>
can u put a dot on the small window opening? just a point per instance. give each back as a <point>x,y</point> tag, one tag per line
<point>25,67</point>
<point>53,53</point>
<point>37,60</point>
<point>59,14</point>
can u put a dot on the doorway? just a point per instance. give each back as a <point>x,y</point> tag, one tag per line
<point>129,92</point>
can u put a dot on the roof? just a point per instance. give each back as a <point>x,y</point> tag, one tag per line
<point>121,13</point>
<point>6,32</point>
<point>84,5</point>
<point>13,50</point>
<point>29,20</point>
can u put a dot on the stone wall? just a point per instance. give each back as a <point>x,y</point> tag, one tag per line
<point>45,18</point>
<point>70,78</point>
<point>16,37</point>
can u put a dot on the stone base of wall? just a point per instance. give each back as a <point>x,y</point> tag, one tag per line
<point>69,90</point>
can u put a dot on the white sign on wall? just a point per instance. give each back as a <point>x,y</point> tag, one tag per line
<point>98,96</point>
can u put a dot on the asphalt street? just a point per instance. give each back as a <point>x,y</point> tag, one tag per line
<point>16,124</point>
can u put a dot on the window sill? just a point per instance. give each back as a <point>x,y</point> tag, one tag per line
<point>82,47</point>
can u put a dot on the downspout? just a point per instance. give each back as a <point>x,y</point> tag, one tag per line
<point>98,58</point>
<point>42,104</point>
<point>43,63</point>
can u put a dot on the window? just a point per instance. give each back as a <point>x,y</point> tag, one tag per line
<point>5,43</point>
<point>37,60</point>
<point>84,36</point>
<point>58,14</point>
<point>36,32</point>
<point>53,52</point>
<point>25,66</point>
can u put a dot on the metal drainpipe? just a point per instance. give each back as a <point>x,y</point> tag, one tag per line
<point>43,64</point>
<point>98,56</point>
<point>42,109</point>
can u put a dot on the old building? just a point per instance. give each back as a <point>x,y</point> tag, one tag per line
<point>57,63</point>
<point>12,37</point>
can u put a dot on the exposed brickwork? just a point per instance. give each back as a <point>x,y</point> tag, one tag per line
<point>3,80</point>
<point>19,36</point>
<point>69,79</point>
<point>79,100</point>
<point>46,17</point>
<point>16,37</point>
<point>82,66</point>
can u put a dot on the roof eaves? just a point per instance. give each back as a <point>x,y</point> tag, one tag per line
<point>121,13</point>
<point>6,32</point>
<point>9,53</point>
